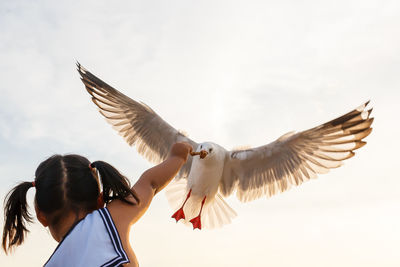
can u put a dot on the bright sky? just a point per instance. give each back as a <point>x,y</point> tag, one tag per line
<point>233,72</point>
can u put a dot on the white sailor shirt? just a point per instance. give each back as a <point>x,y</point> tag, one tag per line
<point>93,242</point>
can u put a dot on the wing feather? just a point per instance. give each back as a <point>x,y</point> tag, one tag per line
<point>295,158</point>
<point>136,122</point>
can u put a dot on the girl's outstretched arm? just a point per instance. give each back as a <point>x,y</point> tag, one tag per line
<point>150,182</point>
<point>159,176</point>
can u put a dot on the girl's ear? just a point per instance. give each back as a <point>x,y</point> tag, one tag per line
<point>100,201</point>
<point>41,218</point>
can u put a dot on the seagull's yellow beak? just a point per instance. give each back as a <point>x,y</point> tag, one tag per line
<point>202,154</point>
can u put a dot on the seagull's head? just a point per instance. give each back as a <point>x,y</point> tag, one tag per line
<point>207,150</point>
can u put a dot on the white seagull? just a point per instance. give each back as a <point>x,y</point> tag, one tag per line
<point>198,190</point>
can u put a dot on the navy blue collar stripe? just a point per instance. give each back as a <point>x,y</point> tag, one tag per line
<point>115,231</point>
<point>116,241</point>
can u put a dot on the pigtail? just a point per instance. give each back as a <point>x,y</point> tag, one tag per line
<point>115,185</point>
<point>16,216</point>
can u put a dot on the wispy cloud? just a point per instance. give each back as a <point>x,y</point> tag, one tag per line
<point>227,71</point>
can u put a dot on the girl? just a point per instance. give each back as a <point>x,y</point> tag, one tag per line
<point>70,203</point>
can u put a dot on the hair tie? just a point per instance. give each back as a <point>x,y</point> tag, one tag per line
<point>91,167</point>
<point>33,184</point>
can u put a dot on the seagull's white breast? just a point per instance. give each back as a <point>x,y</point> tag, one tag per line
<point>205,175</point>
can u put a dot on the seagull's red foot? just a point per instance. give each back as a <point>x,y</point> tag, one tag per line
<point>179,214</point>
<point>196,222</point>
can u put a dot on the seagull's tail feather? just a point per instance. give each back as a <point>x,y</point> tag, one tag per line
<point>216,212</point>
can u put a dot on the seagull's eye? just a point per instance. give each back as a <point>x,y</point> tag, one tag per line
<point>210,150</point>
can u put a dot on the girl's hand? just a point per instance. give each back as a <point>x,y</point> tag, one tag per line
<point>181,150</point>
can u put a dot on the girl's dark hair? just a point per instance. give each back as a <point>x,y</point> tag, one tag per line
<point>63,183</point>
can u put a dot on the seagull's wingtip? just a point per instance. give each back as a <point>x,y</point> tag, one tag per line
<point>80,68</point>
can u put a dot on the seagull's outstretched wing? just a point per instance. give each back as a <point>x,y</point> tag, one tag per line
<point>295,158</point>
<point>136,122</point>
